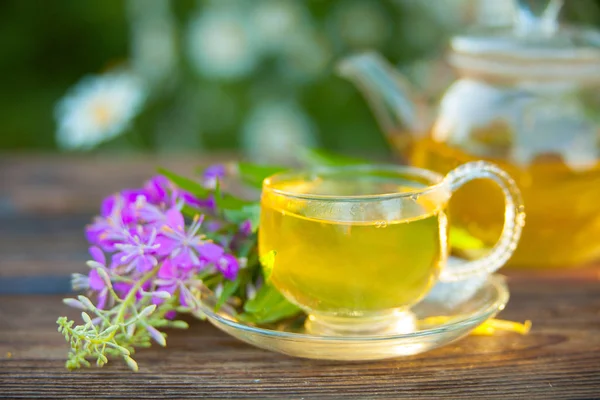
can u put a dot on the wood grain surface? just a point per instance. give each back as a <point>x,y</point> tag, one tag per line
<point>45,202</point>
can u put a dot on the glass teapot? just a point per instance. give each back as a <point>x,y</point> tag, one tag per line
<point>527,98</point>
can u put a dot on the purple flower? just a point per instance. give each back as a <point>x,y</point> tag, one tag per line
<point>95,233</point>
<point>129,196</point>
<point>157,190</point>
<point>128,209</point>
<point>193,201</point>
<point>123,289</point>
<point>108,205</point>
<point>118,213</point>
<point>107,231</point>
<point>213,226</point>
<point>228,265</point>
<point>171,314</point>
<point>186,248</point>
<point>246,228</point>
<point>172,277</point>
<point>212,174</point>
<point>96,282</point>
<point>149,213</point>
<point>137,252</point>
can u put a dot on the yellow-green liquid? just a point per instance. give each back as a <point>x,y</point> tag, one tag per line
<point>366,266</point>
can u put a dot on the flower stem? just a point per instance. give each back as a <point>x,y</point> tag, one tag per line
<point>130,296</point>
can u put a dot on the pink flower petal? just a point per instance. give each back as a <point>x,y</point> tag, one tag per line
<point>175,219</point>
<point>167,270</point>
<point>210,252</point>
<point>95,281</point>
<point>97,255</point>
<point>167,245</point>
<point>102,299</point>
<point>108,205</point>
<point>229,266</point>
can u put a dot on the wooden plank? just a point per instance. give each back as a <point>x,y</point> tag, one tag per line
<point>46,245</point>
<point>46,201</point>
<point>52,184</point>
<point>560,358</point>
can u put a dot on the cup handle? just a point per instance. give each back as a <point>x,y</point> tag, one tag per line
<point>514,220</point>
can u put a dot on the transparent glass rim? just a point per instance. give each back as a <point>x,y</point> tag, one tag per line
<point>496,281</point>
<point>434,181</point>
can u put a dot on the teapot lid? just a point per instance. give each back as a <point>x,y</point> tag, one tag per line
<point>534,47</point>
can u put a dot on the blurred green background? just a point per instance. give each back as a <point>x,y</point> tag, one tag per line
<point>255,75</point>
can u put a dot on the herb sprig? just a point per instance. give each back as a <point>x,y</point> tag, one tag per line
<point>155,249</point>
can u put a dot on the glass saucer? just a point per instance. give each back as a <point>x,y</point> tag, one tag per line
<point>438,323</point>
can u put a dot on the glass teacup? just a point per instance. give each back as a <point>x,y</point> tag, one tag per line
<point>357,246</point>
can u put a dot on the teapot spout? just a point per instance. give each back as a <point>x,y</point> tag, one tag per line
<point>388,93</point>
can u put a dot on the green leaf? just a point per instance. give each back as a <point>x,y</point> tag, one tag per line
<point>283,309</point>
<point>266,298</point>
<point>226,201</point>
<point>268,262</point>
<point>212,281</point>
<point>237,210</point>
<point>319,157</point>
<point>186,184</point>
<point>230,202</point>
<point>178,324</point>
<point>249,212</point>
<point>131,363</point>
<point>246,247</point>
<point>262,298</point>
<point>190,212</point>
<point>229,288</point>
<point>254,174</point>
<point>202,275</point>
<point>268,306</point>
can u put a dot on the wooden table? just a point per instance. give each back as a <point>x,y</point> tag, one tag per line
<point>45,202</point>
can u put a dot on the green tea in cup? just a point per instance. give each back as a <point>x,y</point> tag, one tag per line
<point>356,247</point>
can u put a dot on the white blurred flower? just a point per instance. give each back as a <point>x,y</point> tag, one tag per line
<point>361,23</point>
<point>275,130</point>
<point>220,43</point>
<point>275,22</point>
<point>97,109</point>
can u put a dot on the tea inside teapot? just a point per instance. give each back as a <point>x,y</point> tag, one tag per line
<point>526,98</point>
